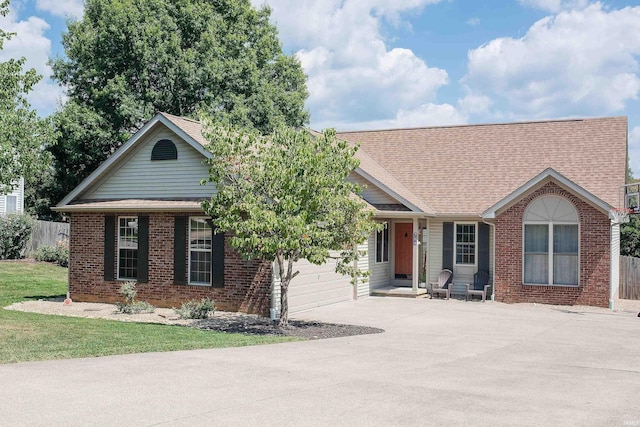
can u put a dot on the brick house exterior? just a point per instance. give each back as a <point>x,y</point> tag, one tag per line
<point>595,249</point>
<point>246,287</point>
<point>453,197</point>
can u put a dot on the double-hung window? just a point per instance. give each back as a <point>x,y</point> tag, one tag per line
<point>551,242</point>
<point>382,244</point>
<point>465,243</point>
<point>200,234</point>
<point>128,248</point>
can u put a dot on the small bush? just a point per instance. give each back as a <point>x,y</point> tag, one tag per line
<point>15,230</point>
<point>130,305</point>
<point>193,309</point>
<point>58,254</point>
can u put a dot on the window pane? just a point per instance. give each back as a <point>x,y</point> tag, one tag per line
<point>128,248</point>
<point>385,250</point>
<point>12,204</point>
<point>565,254</point>
<point>536,253</point>
<point>536,238</point>
<point>465,243</point>
<point>200,234</point>
<point>382,244</point>
<point>378,246</point>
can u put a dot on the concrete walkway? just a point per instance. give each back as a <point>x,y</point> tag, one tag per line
<point>438,363</point>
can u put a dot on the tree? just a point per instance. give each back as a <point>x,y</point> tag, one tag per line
<point>22,133</point>
<point>284,197</point>
<point>126,60</point>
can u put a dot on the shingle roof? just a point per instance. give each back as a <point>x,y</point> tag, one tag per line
<point>466,169</point>
<point>191,127</point>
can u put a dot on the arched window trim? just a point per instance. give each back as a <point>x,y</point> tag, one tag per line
<point>554,218</point>
<point>164,149</point>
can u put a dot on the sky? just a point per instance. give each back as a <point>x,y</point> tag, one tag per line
<point>374,64</point>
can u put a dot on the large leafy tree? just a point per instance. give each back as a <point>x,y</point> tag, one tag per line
<point>129,59</point>
<point>284,197</point>
<point>22,133</point>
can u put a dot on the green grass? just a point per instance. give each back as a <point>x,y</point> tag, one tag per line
<point>28,336</point>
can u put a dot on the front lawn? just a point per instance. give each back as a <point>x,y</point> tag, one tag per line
<point>27,336</point>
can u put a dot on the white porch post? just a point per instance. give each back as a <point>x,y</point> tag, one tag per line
<point>416,257</point>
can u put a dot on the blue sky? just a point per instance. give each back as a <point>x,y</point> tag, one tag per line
<point>405,63</point>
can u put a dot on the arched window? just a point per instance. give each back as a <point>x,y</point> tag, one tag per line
<point>551,242</point>
<point>164,150</point>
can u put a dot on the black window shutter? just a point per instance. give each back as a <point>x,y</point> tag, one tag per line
<point>180,250</point>
<point>483,247</point>
<point>217,259</point>
<point>143,249</point>
<point>447,245</point>
<point>109,247</point>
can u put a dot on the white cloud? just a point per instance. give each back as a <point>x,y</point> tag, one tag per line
<point>579,62</point>
<point>353,78</point>
<point>473,21</point>
<point>555,6</point>
<point>634,151</point>
<point>423,115</point>
<point>31,43</point>
<point>62,8</point>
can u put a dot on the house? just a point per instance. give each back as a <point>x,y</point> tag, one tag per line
<point>527,202</point>
<point>13,202</point>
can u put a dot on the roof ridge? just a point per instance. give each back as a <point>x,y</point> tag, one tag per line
<point>164,113</point>
<point>524,122</point>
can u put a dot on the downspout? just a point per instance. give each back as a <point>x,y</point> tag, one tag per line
<point>275,281</point>
<point>493,256</point>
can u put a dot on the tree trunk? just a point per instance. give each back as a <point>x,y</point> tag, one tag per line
<point>285,280</point>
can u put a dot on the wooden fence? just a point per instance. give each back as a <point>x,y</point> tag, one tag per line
<point>46,233</point>
<point>629,277</point>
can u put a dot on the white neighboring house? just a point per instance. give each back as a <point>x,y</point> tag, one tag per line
<point>13,202</point>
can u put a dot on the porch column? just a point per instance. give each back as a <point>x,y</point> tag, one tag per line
<point>416,257</point>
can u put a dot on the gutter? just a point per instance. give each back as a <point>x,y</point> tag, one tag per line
<point>493,254</point>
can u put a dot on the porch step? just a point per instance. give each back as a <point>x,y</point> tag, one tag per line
<point>397,291</point>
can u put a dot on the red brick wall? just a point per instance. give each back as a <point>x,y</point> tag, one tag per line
<point>247,283</point>
<point>595,238</point>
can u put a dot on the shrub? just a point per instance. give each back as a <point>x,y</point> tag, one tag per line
<point>193,309</point>
<point>130,305</point>
<point>58,254</point>
<point>46,253</point>
<point>15,230</point>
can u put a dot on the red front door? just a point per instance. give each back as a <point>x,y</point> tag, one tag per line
<point>403,250</point>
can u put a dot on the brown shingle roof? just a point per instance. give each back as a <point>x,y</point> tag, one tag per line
<point>466,169</point>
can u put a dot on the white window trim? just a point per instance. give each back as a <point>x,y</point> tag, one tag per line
<point>551,253</point>
<point>455,243</point>
<point>125,279</point>
<point>375,247</point>
<point>196,250</point>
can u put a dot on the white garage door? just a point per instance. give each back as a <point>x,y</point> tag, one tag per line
<point>317,285</point>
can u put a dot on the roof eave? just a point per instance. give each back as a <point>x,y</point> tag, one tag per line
<point>548,173</point>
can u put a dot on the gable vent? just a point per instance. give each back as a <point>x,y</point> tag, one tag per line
<point>164,150</point>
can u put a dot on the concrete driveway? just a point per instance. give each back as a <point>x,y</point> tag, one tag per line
<point>438,363</point>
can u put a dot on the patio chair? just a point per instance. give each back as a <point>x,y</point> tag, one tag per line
<point>442,286</point>
<point>480,286</point>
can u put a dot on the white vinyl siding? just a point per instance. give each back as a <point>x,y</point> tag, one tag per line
<point>13,198</point>
<point>138,177</point>
<point>435,249</point>
<point>371,193</point>
<point>379,272</point>
<point>318,285</point>
<point>363,265</point>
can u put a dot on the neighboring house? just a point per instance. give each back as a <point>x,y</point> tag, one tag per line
<point>13,202</point>
<point>527,202</point>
